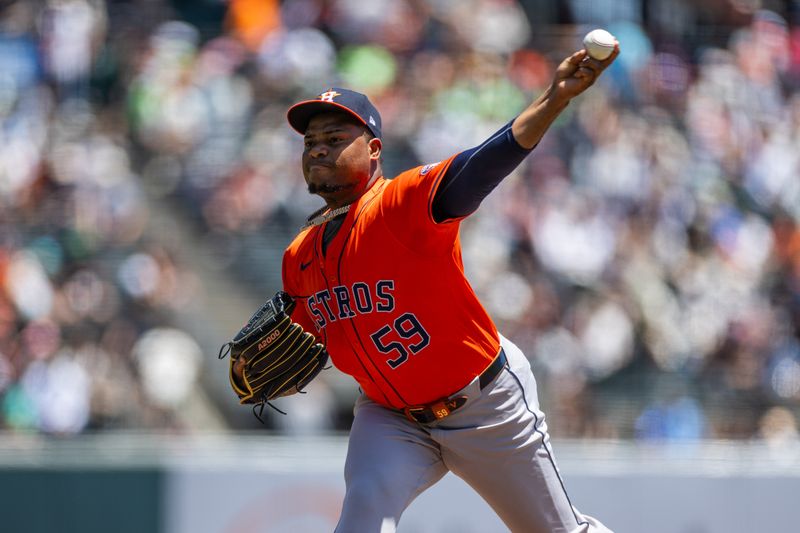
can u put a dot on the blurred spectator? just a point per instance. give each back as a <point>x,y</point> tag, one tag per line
<point>676,419</point>
<point>778,427</point>
<point>778,430</point>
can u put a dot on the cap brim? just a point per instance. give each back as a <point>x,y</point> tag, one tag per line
<point>299,115</point>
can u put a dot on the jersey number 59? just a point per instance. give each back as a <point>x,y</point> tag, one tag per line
<point>413,337</point>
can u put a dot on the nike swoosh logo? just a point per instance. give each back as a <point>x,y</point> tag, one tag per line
<point>304,266</point>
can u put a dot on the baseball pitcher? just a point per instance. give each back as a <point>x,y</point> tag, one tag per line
<point>375,279</point>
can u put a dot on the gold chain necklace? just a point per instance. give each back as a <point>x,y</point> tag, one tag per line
<point>317,219</point>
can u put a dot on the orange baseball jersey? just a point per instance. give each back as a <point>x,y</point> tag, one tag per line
<point>409,335</point>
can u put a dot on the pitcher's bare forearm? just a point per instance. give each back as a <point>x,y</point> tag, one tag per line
<point>530,126</point>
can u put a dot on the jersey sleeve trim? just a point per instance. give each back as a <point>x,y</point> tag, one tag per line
<point>432,194</point>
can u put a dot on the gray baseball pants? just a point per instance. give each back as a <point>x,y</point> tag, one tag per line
<point>497,443</point>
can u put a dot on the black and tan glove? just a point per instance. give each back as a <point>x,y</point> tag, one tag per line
<point>272,356</point>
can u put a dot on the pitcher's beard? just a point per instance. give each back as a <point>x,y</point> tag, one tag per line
<point>325,188</point>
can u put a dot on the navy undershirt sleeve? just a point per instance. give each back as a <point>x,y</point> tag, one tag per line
<point>474,173</point>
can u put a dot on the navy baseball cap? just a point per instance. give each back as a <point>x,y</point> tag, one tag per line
<point>333,99</point>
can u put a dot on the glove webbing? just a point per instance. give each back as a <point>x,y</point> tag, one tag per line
<point>258,408</point>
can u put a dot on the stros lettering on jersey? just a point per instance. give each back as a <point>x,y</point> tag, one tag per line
<point>406,339</point>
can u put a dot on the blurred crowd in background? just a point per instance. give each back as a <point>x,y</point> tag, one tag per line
<point>646,256</point>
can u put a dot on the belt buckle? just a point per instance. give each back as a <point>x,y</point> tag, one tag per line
<point>439,409</point>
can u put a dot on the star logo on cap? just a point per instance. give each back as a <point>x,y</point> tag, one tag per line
<point>329,96</point>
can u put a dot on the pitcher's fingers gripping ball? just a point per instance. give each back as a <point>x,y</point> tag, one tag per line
<point>271,356</point>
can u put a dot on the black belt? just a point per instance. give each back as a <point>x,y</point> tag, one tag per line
<point>425,414</point>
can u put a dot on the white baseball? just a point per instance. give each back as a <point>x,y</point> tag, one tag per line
<point>599,43</point>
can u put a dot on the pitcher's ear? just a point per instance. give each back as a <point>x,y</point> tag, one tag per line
<point>375,146</point>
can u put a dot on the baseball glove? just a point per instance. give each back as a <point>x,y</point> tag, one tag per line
<point>272,356</point>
